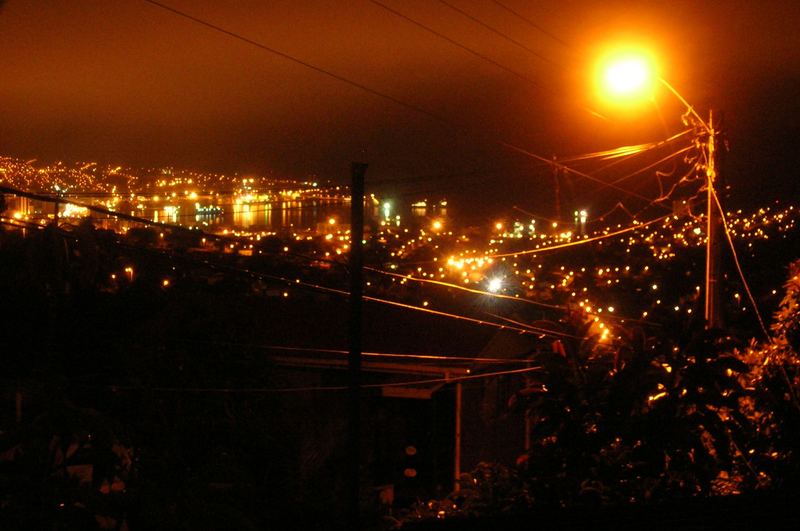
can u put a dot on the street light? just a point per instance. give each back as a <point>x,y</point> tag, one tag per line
<point>625,76</point>
<point>628,76</point>
<point>631,76</point>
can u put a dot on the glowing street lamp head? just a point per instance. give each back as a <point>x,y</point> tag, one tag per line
<point>626,76</point>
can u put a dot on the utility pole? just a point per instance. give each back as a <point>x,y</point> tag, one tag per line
<point>457,441</point>
<point>557,187</point>
<point>713,230</point>
<point>356,264</point>
<point>56,207</point>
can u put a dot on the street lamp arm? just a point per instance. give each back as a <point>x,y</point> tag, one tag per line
<point>686,103</point>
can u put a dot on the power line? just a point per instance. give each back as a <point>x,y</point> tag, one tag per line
<point>430,311</point>
<point>268,390</point>
<point>464,288</point>
<point>293,59</point>
<point>482,172</point>
<point>112,213</point>
<point>334,290</point>
<point>474,320</point>
<point>584,241</point>
<point>378,93</point>
<point>476,53</point>
<point>344,292</point>
<point>519,44</point>
<point>648,167</point>
<point>531,23</point>
<point>573,170</point>
<point>736,261</point>
<point>653,165</point>
<point>487,294</point>
<point>625,151</point>
<point>454,42</point>
<point>500,33</point>
<point>615,162</point>
<point>387,355</point>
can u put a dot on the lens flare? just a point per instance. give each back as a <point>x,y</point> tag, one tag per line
<point>495,285</point>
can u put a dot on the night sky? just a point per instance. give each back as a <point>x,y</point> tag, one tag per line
<point>125,81</point>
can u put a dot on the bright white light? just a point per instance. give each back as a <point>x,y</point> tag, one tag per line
<point>627,76</point>
<point>495,285</point>
<point>73,211</point>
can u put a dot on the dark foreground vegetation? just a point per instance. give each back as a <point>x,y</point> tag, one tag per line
<point>117,410</point>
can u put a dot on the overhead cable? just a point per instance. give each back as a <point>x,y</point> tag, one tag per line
<point>378,93</point>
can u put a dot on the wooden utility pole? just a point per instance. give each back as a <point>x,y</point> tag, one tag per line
<point>56,207</point>
<point>356,264</point>
<point>457,442</point>
<point>713,230</point>
<point>557,187</point>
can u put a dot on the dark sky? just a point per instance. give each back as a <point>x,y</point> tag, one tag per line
<point>125,81</point>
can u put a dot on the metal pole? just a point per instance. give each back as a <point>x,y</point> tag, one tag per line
<point>457,442</point>
<point>712,314</point>
<point>354,359</point>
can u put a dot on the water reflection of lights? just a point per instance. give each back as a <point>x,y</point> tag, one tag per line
<point>73,211</point>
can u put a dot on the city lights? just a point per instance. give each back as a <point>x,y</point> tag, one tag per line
<point>605,275</point>
<point>375,266</point>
